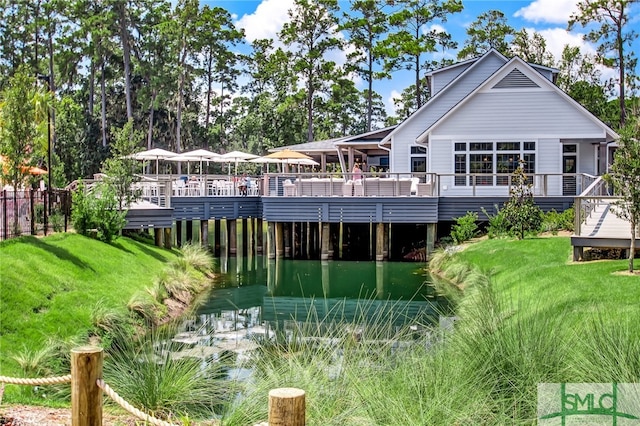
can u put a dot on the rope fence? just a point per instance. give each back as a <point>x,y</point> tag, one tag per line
<point>286,405</point>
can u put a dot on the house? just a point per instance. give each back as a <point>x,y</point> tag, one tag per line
<point>487,113</point>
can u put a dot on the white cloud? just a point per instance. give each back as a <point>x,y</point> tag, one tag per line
<point>390,106</point>
<point>552,11</point>
<point>267,20</point>
<point>557,38</point>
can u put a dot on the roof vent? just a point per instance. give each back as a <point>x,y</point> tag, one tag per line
<point>515,80</point>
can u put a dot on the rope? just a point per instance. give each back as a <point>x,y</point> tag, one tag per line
<point>36,382</point>
<point>130,408</point>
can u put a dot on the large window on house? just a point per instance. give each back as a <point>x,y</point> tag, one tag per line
<point>492,163</point>
<point>418,159</point>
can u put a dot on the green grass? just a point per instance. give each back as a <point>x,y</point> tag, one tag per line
<point>51,287</point>
<point>538,275</point>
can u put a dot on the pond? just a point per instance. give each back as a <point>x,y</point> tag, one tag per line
<point>254,298</point>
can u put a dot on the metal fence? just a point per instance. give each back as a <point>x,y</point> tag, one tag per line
<point>33,212</point>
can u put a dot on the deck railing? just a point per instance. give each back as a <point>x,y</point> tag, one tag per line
<point>597,193</point>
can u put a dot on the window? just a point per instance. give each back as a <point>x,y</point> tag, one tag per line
<point>492,158</point>
<point>418,159</point>
<point>460,167</point>
<point>481,164</point>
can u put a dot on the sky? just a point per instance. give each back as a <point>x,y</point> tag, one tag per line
<point>264,19</point>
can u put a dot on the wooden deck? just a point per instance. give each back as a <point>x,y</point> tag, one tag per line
<point>601,228</point>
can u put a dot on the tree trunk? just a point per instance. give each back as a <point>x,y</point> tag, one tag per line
<point>103,112</point>
<point>151,112</point>
<point>208,104</point>
<point>126,54</point>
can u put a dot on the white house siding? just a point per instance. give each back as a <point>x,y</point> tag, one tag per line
<point>524,113</point>
<point>549,160</point>
<point>441,78</point>
<point>405,135</point>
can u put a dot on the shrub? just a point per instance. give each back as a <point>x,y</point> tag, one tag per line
<point>465,228</point>
<point>497,223</point>
<point>96,210</point>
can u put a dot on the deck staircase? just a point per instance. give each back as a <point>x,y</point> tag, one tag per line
<point>596,224</point>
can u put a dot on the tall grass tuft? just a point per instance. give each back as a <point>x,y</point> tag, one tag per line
<point>608,352</point>
<point>197,257</point>
<point>154,374</point>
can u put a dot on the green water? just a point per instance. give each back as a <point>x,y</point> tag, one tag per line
<point>270,290</point>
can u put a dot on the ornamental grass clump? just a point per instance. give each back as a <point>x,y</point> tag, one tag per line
<point>156,374</point>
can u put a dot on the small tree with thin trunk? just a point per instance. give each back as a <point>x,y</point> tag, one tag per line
<point>521,213</point>
<point>625,179</point>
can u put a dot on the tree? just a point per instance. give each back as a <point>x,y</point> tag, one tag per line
<point>614,35</point>
<point>489,31</point>
<point>532,49</point>
<point>521,213</point>
<point>120,169</point>
<point>366,26</point>
<point>311,33</point>
<point>22,140</point>
<point>625,179</point>
<point>404,49</point>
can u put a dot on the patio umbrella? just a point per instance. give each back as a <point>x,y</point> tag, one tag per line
<point>265,160</point>
<point>288,154</point>
<point>182,159</point>
<point>202,154</point>
<point>235,157</point>
<point>154,154</point>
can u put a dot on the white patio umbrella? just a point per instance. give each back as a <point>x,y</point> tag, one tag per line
<point>266,160</point>
<point>184,159</point>
<point>154,154</point>
<point>202,154</point>
<point>235,157</point>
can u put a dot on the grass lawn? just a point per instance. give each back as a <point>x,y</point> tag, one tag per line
<point>537,274</point>
<point>50,286</point>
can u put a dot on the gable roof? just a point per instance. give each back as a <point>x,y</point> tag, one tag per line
<point>475,64</point>
<point>517,73</point>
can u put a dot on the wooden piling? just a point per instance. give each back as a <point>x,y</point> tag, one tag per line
<point>279,241</point>
<point>179,233</point>
<point>286,236</point>
<point>286,407</point>
<point>157,237</point>
<point>239,237</point>
<point>232,236</point>
<point>324,236</point>
<point>379,242</point>
<point>271,240</point>
<point>204,232</point>
<point>250,237</point>
<point>167,238</point>
<point>224,238</point>
<point>86,396</point>
<point>340,240</point>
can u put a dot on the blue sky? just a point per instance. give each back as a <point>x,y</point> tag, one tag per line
<point>264,18</point>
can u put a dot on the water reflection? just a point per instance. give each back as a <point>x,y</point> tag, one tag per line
<point>332,290</point>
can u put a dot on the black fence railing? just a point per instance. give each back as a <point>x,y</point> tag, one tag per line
<point>33,212</point>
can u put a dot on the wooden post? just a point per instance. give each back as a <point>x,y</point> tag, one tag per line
<point>324,244</point>
<point>224,238</point>
<point>232,236</point>
<point>286,407</point>
<point>379,242</point>
<point>179,239</point>
<point>279,241</point>
<point>250,237</point>
<point>271,240</point>
<point>239,237</point>
<point>167,238</point>
<point>204,232</point>
<point>286,232</point>
<point>157,237</point>
<point>86,396</point>
<point>340,240</point>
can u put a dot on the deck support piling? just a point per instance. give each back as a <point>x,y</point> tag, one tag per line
<point>232,236</point>
<point>239,236</point>
<point>224,238</point>
<point>286,236</point>
<point>279,240</point>
<point>157,237</point>
<point>204,233</point>
<point>179,233</point>
<point>379,242</point>
<point>250,236</point>
<point>167,238</point>
<point>325,238</point>
<point>340,240</point>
